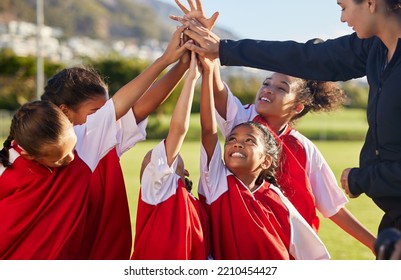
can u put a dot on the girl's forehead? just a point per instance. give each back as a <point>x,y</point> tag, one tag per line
<point>245,129</point>
<point>281,78</point>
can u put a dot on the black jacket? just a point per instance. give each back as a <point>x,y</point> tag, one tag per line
<point>340,59</point>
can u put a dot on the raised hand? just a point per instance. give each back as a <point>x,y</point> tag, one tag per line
<point>175,48</point>
<point>196,11</point>
<point>207,43</point>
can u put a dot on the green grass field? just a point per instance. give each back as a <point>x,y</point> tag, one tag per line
<point>338,154</point>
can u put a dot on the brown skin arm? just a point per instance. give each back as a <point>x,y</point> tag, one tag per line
<point>129,94</point>
<point>160,90</point>
<point>345,220</point>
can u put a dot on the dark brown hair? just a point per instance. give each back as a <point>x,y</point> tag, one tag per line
<point>393,5</point>
<point>72,86</point>
<point>318,96</point>
<point>33,126</point>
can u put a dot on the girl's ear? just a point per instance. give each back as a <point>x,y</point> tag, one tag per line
<point>299,108</point>
<point>66,111</point>
<point>24,154</point>
<point>267,162</point>
<point>372,5</point>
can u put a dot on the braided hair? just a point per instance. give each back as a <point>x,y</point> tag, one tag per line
<point>4,154</point>
<point>34,125</point>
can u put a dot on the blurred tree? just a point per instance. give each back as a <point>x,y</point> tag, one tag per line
<point>17,78</point>
<point>357,94</point>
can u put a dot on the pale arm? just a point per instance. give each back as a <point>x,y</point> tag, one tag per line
<point>181,115</point>
<point>207,114</point>
<point>220,93</point>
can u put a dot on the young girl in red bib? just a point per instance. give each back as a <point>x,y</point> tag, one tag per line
<point>250,216</point>
<point>46,171</point>
<point>304,174</point>
<point>79,92</point>
<point>171,223</point>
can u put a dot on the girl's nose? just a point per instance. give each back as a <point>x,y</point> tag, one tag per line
<point>267,89</point>
<point>238,145</point>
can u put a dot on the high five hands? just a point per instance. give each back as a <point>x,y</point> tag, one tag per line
<point>198,28</point>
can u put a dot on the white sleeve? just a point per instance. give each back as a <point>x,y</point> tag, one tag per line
<point>213,178</point>
<point>159,181</point>
<point>129,132</point>
<point>305,244</point>
<point>236,113</point>
<point>98,135</point>
<point>328,195</point>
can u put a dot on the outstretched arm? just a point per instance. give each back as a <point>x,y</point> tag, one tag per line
<point>161,89</point>
<point>207,114</point>
<point>179,123</point>
<point>220,93</point>
<point>129,94</point>
<point>345,220</point>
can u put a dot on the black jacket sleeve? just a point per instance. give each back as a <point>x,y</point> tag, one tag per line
<point>376,180</point>
<point>338,59</point>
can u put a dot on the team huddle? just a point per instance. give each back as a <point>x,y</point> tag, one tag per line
<point>63,193</point>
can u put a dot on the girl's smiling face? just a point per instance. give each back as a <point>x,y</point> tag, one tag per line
<point>276,97</point>
<point>244,152</point>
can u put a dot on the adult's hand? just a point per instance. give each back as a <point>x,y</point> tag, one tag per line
<point>205,42</point>
<point>344,183</point>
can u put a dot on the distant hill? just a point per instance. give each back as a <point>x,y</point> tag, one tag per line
<point>163,11</point>
<point>102,19</point>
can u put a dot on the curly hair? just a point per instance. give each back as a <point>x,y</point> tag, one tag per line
<point>318,96</point>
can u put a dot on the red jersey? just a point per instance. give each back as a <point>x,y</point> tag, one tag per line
<point>292,178</point>
<point>108,233</point>
<point>261,224</point>
<point>171,224</point>
<point>44,211</point>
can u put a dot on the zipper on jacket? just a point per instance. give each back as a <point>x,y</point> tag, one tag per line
<point>379,90</point>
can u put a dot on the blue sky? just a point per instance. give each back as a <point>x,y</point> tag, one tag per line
<point>298,20</point>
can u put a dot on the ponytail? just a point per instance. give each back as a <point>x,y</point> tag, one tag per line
<point>4,153</point>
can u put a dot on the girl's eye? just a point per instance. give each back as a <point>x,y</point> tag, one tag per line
<point>250,140</point>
